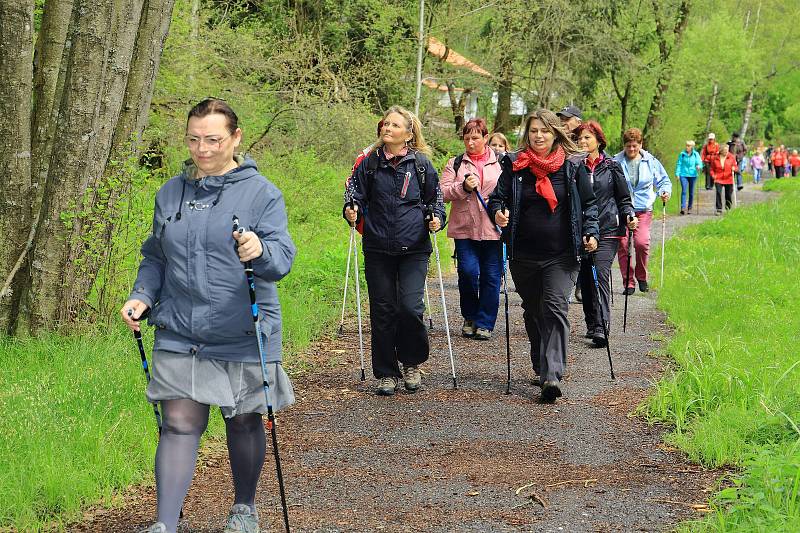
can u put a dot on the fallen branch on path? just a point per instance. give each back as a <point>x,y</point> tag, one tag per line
<point>569,481</point>
<point>701,507</point>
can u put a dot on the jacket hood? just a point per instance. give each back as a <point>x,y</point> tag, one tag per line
<point>247,169</point>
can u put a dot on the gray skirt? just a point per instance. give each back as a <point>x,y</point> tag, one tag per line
<point>237,388</point>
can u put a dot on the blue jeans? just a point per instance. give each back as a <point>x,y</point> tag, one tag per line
<point>480,269</point>
<point>687,185</point>
<point>756,175</point>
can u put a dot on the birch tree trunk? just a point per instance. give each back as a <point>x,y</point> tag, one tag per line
<point>748,110</point>
<point>712,108</point>
<point>16,71</point>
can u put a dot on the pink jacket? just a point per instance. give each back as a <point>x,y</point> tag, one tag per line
<point>468,219</point>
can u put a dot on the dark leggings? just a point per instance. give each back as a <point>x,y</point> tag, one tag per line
<point>184,422</point>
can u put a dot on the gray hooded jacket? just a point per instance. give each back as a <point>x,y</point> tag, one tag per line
<point>191,276</point>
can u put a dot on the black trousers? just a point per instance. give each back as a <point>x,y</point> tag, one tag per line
<point>396,285</point>
<point>779,171</point>
<point>709,179</point>
<point>545,286</point>
<point>603,258</point>
<point>728,195</point>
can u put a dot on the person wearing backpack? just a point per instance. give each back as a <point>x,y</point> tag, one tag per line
<point>477,241</point>
<point>615,217</point>
<point>392,190</point>
<point>545,200</point>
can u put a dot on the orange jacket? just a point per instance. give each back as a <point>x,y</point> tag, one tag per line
<point>723,172</point>
<point>779,158</point>
<point>794,160</point>
<point>709,151</point>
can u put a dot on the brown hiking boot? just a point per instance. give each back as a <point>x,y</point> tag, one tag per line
<point>412,378</point>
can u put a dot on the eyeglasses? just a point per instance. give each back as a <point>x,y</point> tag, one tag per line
<point>214,142</point>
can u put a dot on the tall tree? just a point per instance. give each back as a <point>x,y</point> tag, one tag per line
<point>671,24</point>
<point>93,78</point>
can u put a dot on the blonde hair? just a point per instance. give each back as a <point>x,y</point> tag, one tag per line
<point>690,143</point>
<point>553,124</point>
<point>413,126</point>
<point>502,138</point>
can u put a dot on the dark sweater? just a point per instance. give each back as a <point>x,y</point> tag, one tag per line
<point>543,234</point>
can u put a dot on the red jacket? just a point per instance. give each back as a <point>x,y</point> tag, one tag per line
<point>779,158</point>
<point>794,160</point>
<point>709,151</point>
<point>723,173</point>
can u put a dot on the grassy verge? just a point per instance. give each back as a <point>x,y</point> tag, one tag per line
<point>75,425</point>
<point>734,395</point>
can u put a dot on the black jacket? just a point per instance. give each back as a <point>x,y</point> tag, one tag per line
<point>613,197</point>
<point>582,203</point>
<point>392,204</point>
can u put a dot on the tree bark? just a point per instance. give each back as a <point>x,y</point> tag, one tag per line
<point>624,98</point>
<point>502,121</point>
<point>77,130</point>
<point>748,110</point>
<point>712,107</point>
<point>653,121</point>
<point>16,71</point>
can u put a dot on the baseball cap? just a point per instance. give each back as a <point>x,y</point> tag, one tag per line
<point>570,111</point>
<point>712,136</point>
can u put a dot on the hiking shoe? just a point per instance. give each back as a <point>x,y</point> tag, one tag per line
<point>468,328</point>
<point>241,520</point>
<point>482,334</point>
<point>412,378</point>
<point>683,211</point>
<point>599,339</point>
<point>578,295</point>
<point>550,391</point>
<point>386,386</point>
<point>589,333</point>
<point>629,291</point>
<point>158,527</point>
<point>643,287</point>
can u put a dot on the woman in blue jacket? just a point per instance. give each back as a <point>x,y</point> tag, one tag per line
<point>647,180</point>
<point>686,168</point>
<point>192,281</point>
<point>395,189</point>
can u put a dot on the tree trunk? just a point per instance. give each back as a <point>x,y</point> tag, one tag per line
<point>748,110</point>
<point>666,53</point>
<point>458,105</point>
<point>502,121</point>
<point>16,71</point>
<point>712,107</point>
<point>624,98</point>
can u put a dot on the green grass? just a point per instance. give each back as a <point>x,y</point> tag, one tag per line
<point>76,426</point>
<point>734,395</point>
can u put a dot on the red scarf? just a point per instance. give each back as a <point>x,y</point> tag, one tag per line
<point>541,167</point>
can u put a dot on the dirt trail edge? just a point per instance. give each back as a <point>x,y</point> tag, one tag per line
<point>471,459</point>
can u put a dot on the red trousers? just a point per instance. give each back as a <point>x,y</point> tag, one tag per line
<point>641,243</point>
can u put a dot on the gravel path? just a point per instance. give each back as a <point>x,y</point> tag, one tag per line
<point>471,459</point>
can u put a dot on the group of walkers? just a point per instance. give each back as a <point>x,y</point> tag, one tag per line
<point>555,211</point>
<point>543,208</point>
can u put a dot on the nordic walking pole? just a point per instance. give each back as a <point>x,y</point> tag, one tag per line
<point>627,279</point>
<point>145,367</point>
<point>428,219</point>
<point>428,303</point>
<point>251,286</point>
<point>663,238</point>
<point>505,290</point>
<point>347,275</point>
<point>600,308</point>
<point>358,299</point>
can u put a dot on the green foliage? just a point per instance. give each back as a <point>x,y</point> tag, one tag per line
<point>732,397</point>
<point>76,426</point>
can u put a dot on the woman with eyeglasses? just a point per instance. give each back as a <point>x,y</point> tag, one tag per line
<point>192,283</point>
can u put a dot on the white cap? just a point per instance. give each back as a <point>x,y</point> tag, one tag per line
<point>712,136</point>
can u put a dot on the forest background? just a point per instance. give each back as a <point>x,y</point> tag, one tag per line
<point>93,115</point>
